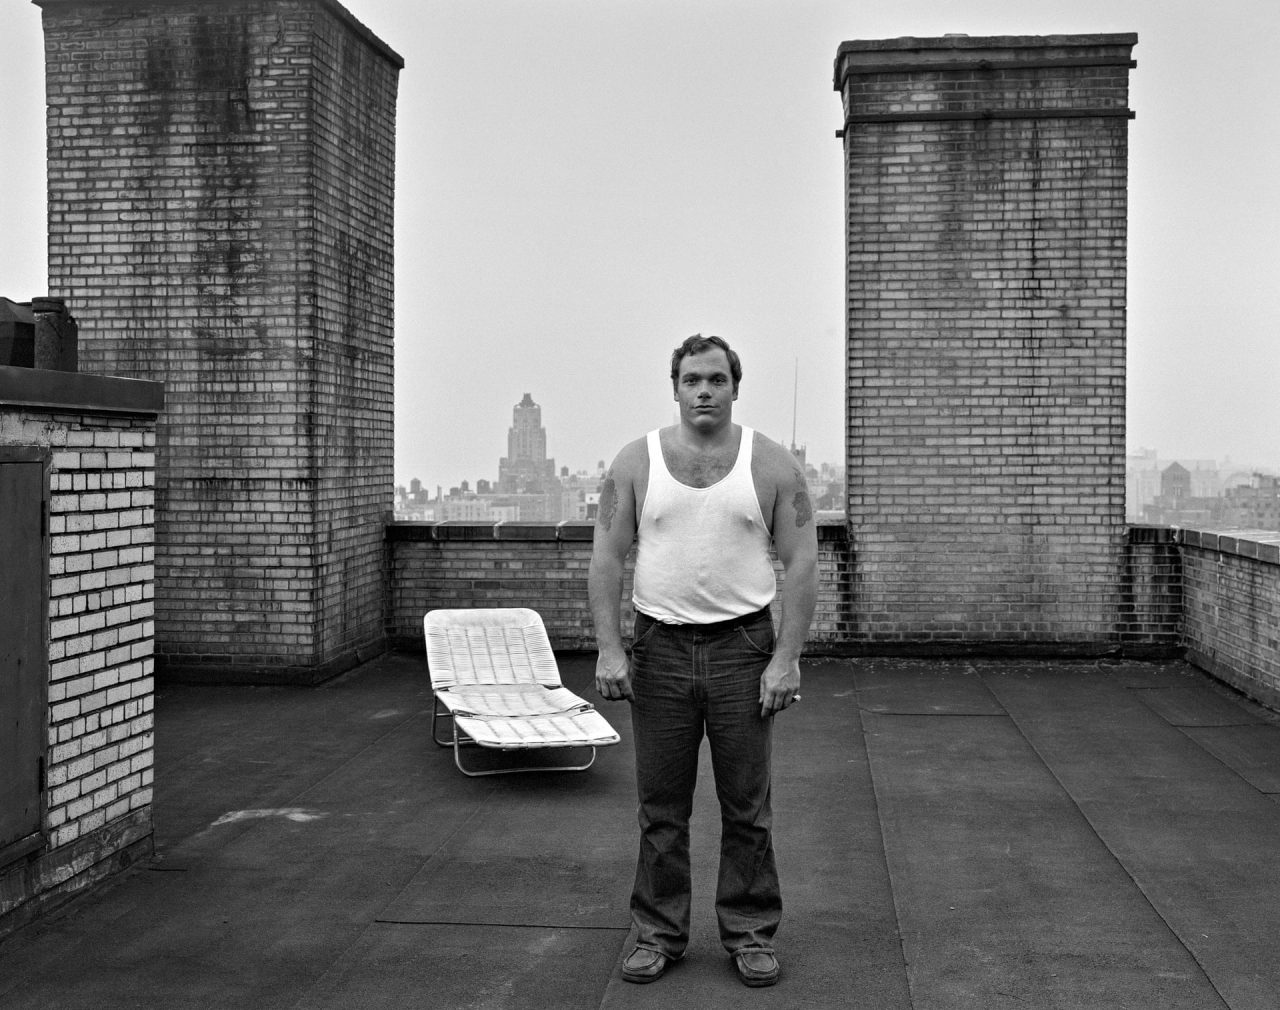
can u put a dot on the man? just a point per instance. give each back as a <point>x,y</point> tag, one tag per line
<point>705,497</point>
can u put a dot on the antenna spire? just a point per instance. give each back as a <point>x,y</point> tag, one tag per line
<point>795,397</point>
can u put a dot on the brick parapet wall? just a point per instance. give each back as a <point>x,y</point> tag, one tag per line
<point>544,566</point>
<point>221,181</point>
<point>986,233</point>
<point>1231,607</point>
<point>99,762</point>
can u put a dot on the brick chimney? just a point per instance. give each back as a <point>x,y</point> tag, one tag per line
<point>986,240</point>
<point>220,218</point>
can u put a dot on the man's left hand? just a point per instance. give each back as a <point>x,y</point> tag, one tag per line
<point>779,686</point>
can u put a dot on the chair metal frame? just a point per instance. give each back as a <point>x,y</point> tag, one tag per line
<point>458,740</point>
<point>494,674</point>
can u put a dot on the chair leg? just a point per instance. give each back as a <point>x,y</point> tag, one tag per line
<point>435,712</point>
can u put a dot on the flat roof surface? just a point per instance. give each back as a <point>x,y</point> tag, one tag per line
<point>950,833</point>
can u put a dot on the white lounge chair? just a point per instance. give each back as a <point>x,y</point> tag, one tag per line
<point>495,675</point>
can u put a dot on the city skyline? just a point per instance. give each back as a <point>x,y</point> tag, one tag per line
<point>1208,492</point>
<point>1232,468</point>
<point>544,442</point>
<point>528,441</point>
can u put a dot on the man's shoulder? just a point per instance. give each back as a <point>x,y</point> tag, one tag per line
<point>770,460</point>
<point>632,461</point>
<point>633,451</point>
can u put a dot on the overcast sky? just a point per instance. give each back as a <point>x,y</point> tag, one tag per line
<point>582,183</point>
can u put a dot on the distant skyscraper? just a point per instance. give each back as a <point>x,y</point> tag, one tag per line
<point>525,469</point>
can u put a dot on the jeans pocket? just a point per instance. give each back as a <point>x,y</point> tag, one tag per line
<point>759,636</point>
<point>650,626</point>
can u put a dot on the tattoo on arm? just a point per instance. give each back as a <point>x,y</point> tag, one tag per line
<point>608,501</point>
<point>801,503</point>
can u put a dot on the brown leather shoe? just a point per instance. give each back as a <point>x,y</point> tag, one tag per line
<point>643,965</point>
<point>756,968</point>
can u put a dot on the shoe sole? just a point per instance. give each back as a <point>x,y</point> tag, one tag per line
<point>641,979</point>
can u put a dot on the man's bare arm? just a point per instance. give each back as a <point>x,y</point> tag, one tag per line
<point>795,538</point>
<point>614,533</point>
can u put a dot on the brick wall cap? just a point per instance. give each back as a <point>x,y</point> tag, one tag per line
<point>335,8</point>
<point>829,530</point>
<point>54,390</point>
<point>916,43</point>
<point>1260,545</point>
<point>1143,533</point>
<point>916,53</point>
<point>462,529</point>
<point>516,530</point>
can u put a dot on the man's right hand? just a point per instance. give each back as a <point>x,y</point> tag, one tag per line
<point>613,676</point>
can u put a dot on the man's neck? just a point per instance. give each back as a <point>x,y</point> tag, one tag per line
<point>699,439</point>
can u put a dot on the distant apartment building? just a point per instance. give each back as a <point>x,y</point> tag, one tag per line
<point>1255,505</point>
<point>1190,491</point>
<point>582,492</point>
<point>414,504</point>
<point>1142,482</point>
<point>1175,483</point>
<point>1179,504</point>
<point>466,508</point>
<point>1145,476</point>
<point>1206,477</point>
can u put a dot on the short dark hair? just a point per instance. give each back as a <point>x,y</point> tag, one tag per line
<point>696,344</point>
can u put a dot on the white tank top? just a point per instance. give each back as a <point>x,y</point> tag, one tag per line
<point>703,552</point>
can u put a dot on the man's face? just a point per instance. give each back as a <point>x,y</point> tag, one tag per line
<point>704,389</point>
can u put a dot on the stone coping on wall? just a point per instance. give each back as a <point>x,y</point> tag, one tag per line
<point>568,530</point>
<point>1261,545</point>
<point>911,43</point>
<point>982,52</point>
<point>1248,543</point>
<point>338,10</point>
<point>1140,533</point>
<point>46,389</point>
<point>1255,544</point>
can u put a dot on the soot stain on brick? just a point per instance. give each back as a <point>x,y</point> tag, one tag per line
<point>239,343</point>
<point>198,74</point>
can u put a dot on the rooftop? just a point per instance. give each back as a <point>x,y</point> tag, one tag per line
<point>951,833</point>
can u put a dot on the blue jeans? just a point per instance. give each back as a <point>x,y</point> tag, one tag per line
<point>687,680</point>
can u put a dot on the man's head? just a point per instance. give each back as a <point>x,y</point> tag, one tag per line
<point>697,344</point>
